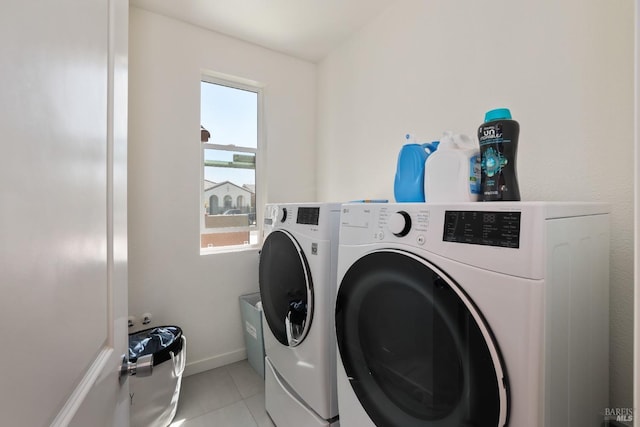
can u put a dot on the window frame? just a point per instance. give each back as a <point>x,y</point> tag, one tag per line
<point>260,184</point>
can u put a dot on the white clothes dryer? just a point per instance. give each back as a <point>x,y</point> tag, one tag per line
<point>297,278</point>
<point>473,314</point>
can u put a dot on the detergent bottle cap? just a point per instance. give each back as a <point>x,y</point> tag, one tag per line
<point>447,141</point>
<point>463,141</point>
<point>497,114</point>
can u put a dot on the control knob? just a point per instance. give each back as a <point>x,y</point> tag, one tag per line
<point>284,215</point>
<point>400,223</point>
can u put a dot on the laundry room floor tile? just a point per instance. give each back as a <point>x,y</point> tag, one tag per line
<point>206,392</point>
<point>255,404</point>
<point>231,395</point>
<point>235,415</point>
<point>246,378</point>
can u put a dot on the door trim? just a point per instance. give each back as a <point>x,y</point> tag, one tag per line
<point>74,401</point>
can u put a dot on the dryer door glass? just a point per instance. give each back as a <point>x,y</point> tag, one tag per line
<point>414,347</point>
<point>285,288</point>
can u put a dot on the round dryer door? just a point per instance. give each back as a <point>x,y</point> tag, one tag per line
<point>286,288</point>
<point>416,350</point>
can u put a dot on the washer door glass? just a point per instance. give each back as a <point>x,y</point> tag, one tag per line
<point>286,288</point>
<point>414,347</point>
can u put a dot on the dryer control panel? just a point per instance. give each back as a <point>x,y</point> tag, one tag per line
<point>500,228</point>
<point>489,228</point>
<point>494,236</point>
<point>504,237</point>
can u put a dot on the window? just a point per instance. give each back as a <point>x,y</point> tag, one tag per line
<point>229,118</point>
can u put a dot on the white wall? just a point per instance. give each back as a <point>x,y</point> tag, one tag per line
<point>167,276</point>
<point>565,69</point>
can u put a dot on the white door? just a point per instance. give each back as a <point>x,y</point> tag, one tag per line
<point>63,258</point>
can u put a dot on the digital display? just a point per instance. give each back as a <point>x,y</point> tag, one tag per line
<point>483,228</point>
<point>308,216</point>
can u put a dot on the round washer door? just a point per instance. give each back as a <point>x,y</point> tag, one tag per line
<point>416,350</point>
<point>286,288</point>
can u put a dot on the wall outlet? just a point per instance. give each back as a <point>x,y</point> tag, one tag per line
<point>146,318</point>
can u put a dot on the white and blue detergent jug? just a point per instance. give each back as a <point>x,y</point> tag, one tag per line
<point>409,180</point>
<point>452,174</point>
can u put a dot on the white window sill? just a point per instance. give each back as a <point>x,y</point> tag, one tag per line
<point>228,249</point>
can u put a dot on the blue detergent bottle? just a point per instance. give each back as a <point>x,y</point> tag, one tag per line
<point>409,180</point>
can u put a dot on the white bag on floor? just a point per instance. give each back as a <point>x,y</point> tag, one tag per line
<point>154,399</point>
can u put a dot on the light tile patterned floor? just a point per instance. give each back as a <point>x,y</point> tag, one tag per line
<point>229,396</point>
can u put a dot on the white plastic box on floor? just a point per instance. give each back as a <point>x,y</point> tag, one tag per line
<point>154,399</point>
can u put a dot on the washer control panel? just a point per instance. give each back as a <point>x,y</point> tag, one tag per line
<point>319,220</point>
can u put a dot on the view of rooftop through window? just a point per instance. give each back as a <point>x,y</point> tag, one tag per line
<point>229,127</point>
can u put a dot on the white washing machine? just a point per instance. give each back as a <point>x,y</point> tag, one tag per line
<point>473,314</point>
<point>297,278</point>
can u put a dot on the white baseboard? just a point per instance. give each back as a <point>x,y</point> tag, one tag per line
<point>214,362</point>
